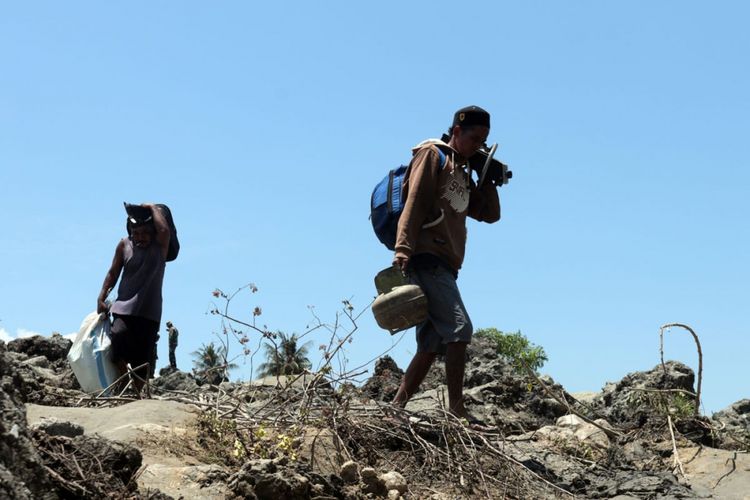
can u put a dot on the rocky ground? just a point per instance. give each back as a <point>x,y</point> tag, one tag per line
<point>303,437</point>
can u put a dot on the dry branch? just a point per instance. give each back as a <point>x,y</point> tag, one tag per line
<point>700,358</point>
<point>676,462</point>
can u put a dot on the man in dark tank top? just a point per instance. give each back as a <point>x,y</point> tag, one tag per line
<point>139,263</point>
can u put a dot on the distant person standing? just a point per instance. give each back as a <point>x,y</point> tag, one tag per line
<point>173,334</point>
<point>136,313</point>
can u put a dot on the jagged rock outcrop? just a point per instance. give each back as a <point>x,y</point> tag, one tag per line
<point>42,364</point>
<point>622,403</point>
<point>54,348</point>
<point>386,378</point>
<point>175,380</point>
<point>736,417</point>
<point>22,474</point>
<point>495,392</point>
<point>735,421</point>
<point>267,479</point>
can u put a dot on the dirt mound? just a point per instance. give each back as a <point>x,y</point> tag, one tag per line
<point>88,466</point>
<point>302,437</point>
<point>36,464</point>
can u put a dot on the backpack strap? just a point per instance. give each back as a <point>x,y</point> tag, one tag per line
<point>442,157</point>
<point>441,154</point>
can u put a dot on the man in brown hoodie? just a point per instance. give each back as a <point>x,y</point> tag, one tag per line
<point>430,244</point>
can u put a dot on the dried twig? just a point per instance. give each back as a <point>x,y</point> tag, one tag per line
<point>700,358</point>
<point>72,486</point>
<point>733,459</point>
<point>676,462</point>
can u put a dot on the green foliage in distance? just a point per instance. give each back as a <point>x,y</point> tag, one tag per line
<point>210,363</point>
<point>286,359</point>
<point>516,348</point>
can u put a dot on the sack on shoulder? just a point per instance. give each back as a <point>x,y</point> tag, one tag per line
<point>143,214</point>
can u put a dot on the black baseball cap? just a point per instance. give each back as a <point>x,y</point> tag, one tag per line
<point>471,115</point>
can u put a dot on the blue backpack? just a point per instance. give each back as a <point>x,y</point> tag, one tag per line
<point>387,203</point>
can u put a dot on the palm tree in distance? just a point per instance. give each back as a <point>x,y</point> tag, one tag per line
<point>210,363</point>
<point>286,358</point>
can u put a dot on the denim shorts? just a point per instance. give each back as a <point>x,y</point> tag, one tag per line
<point>447,319</point>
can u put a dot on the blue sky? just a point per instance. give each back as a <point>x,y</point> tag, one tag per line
<point>264,127</point>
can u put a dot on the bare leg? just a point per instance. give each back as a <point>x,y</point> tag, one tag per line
<point>122,367</point>
<point>139,376</point>
<point>415,374</point>
<point>455,364</point>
